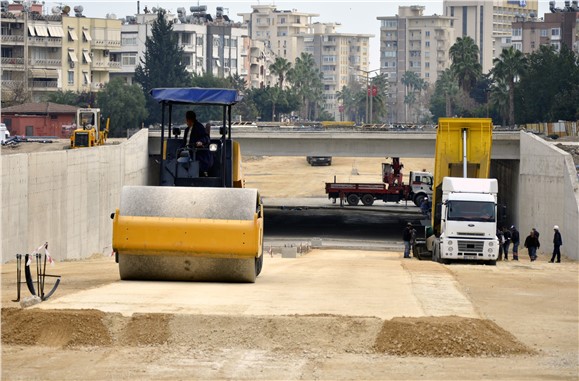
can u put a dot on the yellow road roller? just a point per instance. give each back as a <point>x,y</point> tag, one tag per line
<point>192,225</point>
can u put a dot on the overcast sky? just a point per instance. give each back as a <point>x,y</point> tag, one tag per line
<point>354,16</point>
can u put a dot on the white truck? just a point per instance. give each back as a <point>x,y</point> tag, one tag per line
<point>468,221</point>
<point>4,133</point>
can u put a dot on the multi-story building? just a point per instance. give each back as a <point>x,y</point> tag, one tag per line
<point>43,53</point>
<point>338,57</point>
<point>561,27</point>
<point>278,29</point>
<point>411,41</point>
<point>488,23</point>
<point>210,44</point>
<point>86,46</point>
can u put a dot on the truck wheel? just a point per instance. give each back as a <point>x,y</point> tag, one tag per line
<point>353,199</point>
<point>367,199</point>
<point>418,197</point>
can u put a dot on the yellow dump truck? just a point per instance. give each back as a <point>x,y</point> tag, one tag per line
<point>464,199</point>
<point>91,130</point>
<point>191,225</point>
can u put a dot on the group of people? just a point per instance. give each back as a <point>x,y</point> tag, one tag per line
<point>508,236</point>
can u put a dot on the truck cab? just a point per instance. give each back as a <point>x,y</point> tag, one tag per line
<point>421,186</point>
<point>468,217</point>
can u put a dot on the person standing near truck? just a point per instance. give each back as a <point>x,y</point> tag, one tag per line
<point>515,239</point>
<point>407,238</point>
<point>507,242</point>
<point>532,244</point>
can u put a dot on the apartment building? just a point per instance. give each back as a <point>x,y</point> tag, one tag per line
<point>212,44</point>
<point>411,41</point>
<point>280,30</point>
<point>561,27</point>
<point>43,53</point>
<point>339,56</point>
<point>488,23</point>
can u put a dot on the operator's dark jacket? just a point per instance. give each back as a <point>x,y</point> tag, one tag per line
<point>199,135</point>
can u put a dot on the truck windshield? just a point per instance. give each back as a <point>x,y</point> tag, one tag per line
<point>470,211</point>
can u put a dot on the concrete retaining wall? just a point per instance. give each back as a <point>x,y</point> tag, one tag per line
<point>548,195</point>
<point>66,197</point>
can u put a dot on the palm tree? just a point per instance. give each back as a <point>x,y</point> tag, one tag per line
<point>414,86</point>
<point>449,88</point>
<point>500,98</point>
<point>508,67</point>
<point>280,67</point>
<point>465,62</point>
<point>307,82</point>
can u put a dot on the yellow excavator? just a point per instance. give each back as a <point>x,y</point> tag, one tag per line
<point>91,129</point>
<point>190,225</point>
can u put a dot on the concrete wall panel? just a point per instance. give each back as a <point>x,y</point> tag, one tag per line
<point>14,205</point>
<point>548,194</point>
<point>66,197</point>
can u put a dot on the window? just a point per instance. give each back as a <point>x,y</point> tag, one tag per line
<point>427,33</point>
<point>86,57</point>
<point>86,36</point>
<point>86,77</point>
<point>187,59</point>
<point>427,44</point>
<point>544,33</point>
<point>186,38</point>
<point>199,40</point>
<point>518,46</point>
<point>389,23</point>
<point>427,65</point>
<point>129,40</point>
<point>556,45</point>
<point>72,35</point>
<point>129,59</point>
<point>555,32</point>
<point>71,77</point>
<point>517,32</point>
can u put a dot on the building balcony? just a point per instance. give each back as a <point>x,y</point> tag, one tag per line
<point>13,63</point>
<point>243,52</point>
<point>243,72</point>
<point>45,41</point>
<point>8,84</point>
<point>115,65</point>
<point>44,85</point>
<point>96,86</point>
<point>105,44</point>
<point>46,62</point>
<point>12,40</point>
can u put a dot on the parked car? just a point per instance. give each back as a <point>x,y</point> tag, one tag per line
<point>319,160</point>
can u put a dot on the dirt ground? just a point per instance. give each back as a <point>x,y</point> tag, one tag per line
<point>526,328</point>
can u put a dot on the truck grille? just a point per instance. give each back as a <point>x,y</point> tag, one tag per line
<point>81,139</point>
<point>474,234</point>
<point>470,246</point>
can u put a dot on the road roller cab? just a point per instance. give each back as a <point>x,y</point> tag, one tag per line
<point>194,225</point>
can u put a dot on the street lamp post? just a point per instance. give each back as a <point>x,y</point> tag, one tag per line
<point>367,72</point>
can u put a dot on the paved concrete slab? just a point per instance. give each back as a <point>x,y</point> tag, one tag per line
<point>359,283</point>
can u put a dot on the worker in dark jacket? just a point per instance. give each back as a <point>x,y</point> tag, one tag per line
<point>407,238</point>
<point>515,239</point>
<point>507,242</point>
<point>196,136</point>
<point>532,244</point>
<point>557,243</point>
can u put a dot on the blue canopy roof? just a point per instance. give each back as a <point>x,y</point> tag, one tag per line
<point>196,95</point>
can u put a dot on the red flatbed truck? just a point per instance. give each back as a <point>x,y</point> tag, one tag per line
<point>392,189</point>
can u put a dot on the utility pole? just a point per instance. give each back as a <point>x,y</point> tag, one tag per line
<point>368,90</point>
